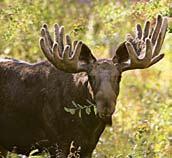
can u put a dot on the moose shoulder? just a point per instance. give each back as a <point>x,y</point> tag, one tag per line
<point>33,96</point>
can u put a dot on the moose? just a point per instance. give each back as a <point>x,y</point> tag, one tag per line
<point>33,96</point>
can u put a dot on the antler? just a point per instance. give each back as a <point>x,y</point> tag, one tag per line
<point>63,56</point>
<point>145,48</point>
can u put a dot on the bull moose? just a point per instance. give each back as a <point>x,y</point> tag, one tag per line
<point>33,96</point>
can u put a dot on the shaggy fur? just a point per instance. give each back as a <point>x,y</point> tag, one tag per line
<point>32,101</point>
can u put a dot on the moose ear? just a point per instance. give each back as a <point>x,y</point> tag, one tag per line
<point>121,54</point>
<point>86,56</point>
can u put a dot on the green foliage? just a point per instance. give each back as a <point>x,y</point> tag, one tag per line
<point>142,122</point>
<point>79,108</point>
<point>44,154</point>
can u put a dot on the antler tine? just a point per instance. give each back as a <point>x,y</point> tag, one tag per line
<point>146,30</point>
<point>56,55</point>
<point>157,29</point>
<point>77,50</point>
<point>161,37</point>
<point>138,31</point>
<point>156,59</point>
<point>46,32</point>
<point>59,36</point>
<point>45,50</point>
<point>148,54</point>
<point>45,45</point>
<point>69,41</point>
<point>56,33</point>
<point>131,52</point>
<point>66,52</point>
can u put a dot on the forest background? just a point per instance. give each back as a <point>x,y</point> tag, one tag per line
<point>142,123</point>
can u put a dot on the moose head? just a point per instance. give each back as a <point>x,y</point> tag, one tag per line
<point>104,75</point>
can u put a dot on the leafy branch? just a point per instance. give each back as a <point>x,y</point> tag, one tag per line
<point>80,108</point>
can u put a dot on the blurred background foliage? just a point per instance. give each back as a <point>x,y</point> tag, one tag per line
<point>142,124</point>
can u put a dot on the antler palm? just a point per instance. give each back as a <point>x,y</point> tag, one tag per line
<point>144,49</point>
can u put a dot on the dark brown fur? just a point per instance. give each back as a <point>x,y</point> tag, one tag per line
<point>32,101</point>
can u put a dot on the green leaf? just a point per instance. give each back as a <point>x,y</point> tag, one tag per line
<point>90,102</point>
<point>72,111</point>
<point>75,105</point>
<point>81,107</point>
<point>95,110</point>
<point>33,152</point>
<point>66,109</point>
<point>88,110</point>
<point>80,113</point>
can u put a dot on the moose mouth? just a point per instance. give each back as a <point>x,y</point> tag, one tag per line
<point>107,119</point>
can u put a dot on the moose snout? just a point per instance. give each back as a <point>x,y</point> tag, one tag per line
<point>105,104</point>
<point>105,110</point>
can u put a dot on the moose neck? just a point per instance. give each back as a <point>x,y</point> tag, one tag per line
<point>73,87</point>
